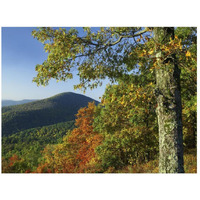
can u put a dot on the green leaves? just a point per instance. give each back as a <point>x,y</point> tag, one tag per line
<point>126,117</point>
<point>98,54</point>
<point>127,120</point>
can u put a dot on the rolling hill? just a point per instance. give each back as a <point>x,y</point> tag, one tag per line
<point>56,109</point>
<point>12,103</point>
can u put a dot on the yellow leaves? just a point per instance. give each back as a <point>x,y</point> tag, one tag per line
<point>151,52</point>
<point>173,46</point>
<point>140,64</point>
<point>132,86</point>
<point>167,49</point>
<point>179,44</point>
<point>132,99</point>
<point>122,102</point>
<point>150,84</point>
<point>102,29</point>
<point>144,51</point>
<point>113,99</point>
<point>188,54</point>
<point>104,101</point>
<point>149,99</point>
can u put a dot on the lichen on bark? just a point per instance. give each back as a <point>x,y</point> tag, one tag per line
<point>169,110</point>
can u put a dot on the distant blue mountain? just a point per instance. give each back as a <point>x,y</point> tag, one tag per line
<point>12,103</point>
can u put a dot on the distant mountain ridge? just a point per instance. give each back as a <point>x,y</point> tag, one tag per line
<point>56,109</point>
<point>12,102</point>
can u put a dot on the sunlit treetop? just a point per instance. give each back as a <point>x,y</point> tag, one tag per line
<point>115,52</point>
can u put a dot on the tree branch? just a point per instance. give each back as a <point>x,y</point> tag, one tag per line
<point>129,36</point>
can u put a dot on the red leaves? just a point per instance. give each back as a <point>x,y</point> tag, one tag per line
<point>76,154</point>
<point>13,159</point>
<point>83,139</point>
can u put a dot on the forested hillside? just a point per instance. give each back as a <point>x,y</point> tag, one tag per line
<point>146,121</point>
<point>56,109</point>
<point>28,128</point>
<point>27,145</point>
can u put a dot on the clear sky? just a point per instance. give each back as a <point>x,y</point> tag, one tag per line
<point>20,54</point>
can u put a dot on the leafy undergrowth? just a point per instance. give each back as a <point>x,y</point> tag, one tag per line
<point>190,165</point>
<point>190,160</point>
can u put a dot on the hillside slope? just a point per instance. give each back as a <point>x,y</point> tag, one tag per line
<point>56,109</point>
<point>29,144</point>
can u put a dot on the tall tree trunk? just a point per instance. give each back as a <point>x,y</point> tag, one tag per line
<point>169,109</point>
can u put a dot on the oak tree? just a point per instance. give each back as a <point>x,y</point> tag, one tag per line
<point>120,54</point>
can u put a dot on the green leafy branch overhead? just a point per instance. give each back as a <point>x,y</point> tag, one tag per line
<point>98,54</point>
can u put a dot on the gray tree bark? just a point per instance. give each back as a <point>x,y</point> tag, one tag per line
<point>169,109</point>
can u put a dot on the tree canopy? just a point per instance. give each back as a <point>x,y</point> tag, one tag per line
<point>149,60</point>
<point>113,52</point>
<point>100,53</point>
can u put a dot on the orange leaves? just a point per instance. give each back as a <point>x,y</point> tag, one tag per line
<point>76,154</point>
<point>83,139</point>
<point>13,159</point>
<point>14,164</point>
<point>138,40</point>
<point>172,46</point>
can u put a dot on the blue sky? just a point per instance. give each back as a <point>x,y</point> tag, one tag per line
<point>20,54</point>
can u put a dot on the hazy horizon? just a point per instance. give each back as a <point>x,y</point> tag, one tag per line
<point>44,97</point>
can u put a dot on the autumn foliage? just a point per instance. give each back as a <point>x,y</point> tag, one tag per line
<point>14,164</point>
<point>76,153</point>
<point>121,133</point>
<point>84,140</point>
